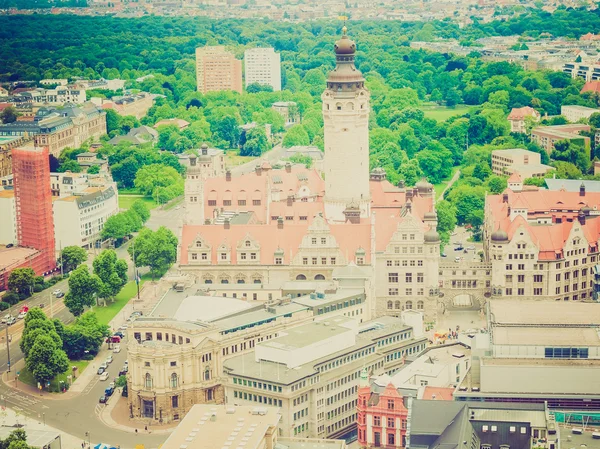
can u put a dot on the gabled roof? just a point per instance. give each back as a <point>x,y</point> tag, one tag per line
<point>521,113</point>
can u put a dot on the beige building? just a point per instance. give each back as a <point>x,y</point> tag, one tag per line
<point>176,356</point>
<point>289,111</point>
<point>574,113</point>
<point>527,164</point>
<point>517,118</point>
<point>312,372</point>
<point>7,143</point>
<point>136,105</point>
<point>262,66</point>
<point>217,69</point>
<point>207,427</point>
<point>547,136</point>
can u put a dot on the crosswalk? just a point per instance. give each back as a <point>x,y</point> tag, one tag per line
<point>20,402</point>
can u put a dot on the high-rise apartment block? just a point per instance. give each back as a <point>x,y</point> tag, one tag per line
<point>33,204</point>
<point>217,69</point>
<point>263,66</point>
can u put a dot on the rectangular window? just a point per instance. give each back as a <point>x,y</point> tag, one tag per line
<point>408,277</point>
<point>241,202</point>
<point>377,421</point>
<point>390,422</point>
<point>420,278</point>
<point>392,277</point>
<point>393,292</point>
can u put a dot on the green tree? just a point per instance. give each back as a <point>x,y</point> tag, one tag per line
<point>436,96</point>
<point>93,170</point>
<point>296,136</point>
<point>84,336</point>
<point>227,130</point>
<point>33,329</point>
<point>254,88</point>
<point>155,249</point>
<point>9,115</point>
<point>117,227</point>
<point>256,142</point>
<point>21,280</point>
<point>71,257</point>
<point>111,271</point>
<point>140,208</point>
<point>69,165</point>
<point>151,177</point>
<point>83,288</point>
<point>497,184</point>
<point>46,359</point>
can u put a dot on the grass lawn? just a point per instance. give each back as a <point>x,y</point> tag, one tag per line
<point>107,313</point>
<point>439,188</point>
<point>232,158</point>
<point>125,201</point>
<point>131,191</point>
<point>443,113</point>
<point>26,376</point>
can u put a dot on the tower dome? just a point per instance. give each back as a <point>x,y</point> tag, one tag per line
<point>345,46</point>
<point>432,236</point>
<point>499,236</point>
<point>423,186</point>
<point>345,77</point>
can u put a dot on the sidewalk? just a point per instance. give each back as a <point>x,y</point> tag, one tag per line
<point>9,418</point>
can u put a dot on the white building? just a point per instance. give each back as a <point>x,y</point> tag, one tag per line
<point>263,66</point>
<point>346,130</point>
<point>527,164</point>
<point>79,218</point>
<point>574,113</point>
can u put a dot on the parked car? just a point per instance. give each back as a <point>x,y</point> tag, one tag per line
<point>6,317</point>
<point>109,359</point>
<point>21,315</point>
<point>109,391</point>
<point>11,320</point>
<point>102,399</point>
<point>57,292</point>
<point>101,370</point>
<point>111,385</point>
<point>457,259</point>
<point>444,255</point>
<point>60,295</point>
<point>119,334</point>
<point>122,372</point>
<point>9,245</point>
<point>104,375</point>
<point>117,349</point>
<point>104,365</point>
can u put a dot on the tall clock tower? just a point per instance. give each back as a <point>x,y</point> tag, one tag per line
<point>346,130</point>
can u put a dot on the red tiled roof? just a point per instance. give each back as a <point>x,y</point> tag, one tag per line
<point>515,177</point>
<point>591,86</point>
<point>521,113</point>
<point>438,393</point>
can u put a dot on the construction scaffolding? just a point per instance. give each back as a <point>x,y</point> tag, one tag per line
<point>33,204</point>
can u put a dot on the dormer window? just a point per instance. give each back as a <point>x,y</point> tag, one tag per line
<point>247,243</point>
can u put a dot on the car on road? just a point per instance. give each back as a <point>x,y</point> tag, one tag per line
<point>104,365</point>
<point>119,334</point>
<point>444,255</point>
<point>109,360</point>
<point>117,349</point>
<point>123,371</point>
<point>111,385</point>
<point>457,259</point>
<point>57,291</point>
<point>101,370</point>
<point>459,248</point>
<point>11,320</point>
<point>102,399</point>
<point>104,375</point>
<point>60,295</point>
<point>109,391</point>
<point>6,317</point>
<point>21,315</point>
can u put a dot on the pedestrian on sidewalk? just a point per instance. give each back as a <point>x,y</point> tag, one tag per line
<point>136,431</point>
<point>146,428</point>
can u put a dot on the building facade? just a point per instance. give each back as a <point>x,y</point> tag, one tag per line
<point>136,104</point>
<point>217,69</point>
<point>263,66</point>
<point>574,113</point>
<point>517,118</point>
<point>33,205</point>
<point>526,164</point>
<point>547,136</point>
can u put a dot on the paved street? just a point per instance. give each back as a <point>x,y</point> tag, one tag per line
<point>461,236</point>
<point>272,156</point>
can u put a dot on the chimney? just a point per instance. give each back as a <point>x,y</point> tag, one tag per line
<point>258,170</point>
<point>290,200</point>
<point>409,195</point>
<point>226,224</point>
<point>288,167</point>
<point>204,149</point>
<point>505,197</point>
<point>228,175</point>
<point>581,217</point>
<point>401,184</point>
<point>280,223</point>
<point>408,206</point>
<point>582,189</point>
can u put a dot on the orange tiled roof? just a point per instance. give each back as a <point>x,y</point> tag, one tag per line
<point>521,113</point>
<point>591,86</point>
<point>438,393</point>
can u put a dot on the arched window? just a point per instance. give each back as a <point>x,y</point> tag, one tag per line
<point>207,374</point>
<point>408,305</point>
<point>174,380</point>
<point>420,305</point>
<point>148,381</point>
<point>300,277</point>
<point>397,305</point>
<point>319,277</point>
<point>241,281</point>
<point>390,304</point>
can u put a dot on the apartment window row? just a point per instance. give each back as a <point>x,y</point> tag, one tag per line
<point>254,384</point>
<point>566,353</point>
<point>301,399</point>
<point>394,339</point>
<point>342,424</point>
<point>342,394</point>
<point>342,409</point>
<point>404,263</point>
<point>408,277</point>
<point>339,306</point>
<point>148,336</point>
<point>338,383</point>
<point>301,414</point>
<point>408,250</point>
<point>408,305</point>
<point>400,354</point>
<point>316,260</point>
<point>347,359</point>
<point>245,345</point>
<point>257,398</point>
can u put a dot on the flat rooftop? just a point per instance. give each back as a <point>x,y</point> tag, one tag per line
<point>511,312</point>
<point>208,308</point>
<point>14,255</point>
<point>257,317</point>
<point>537,336</point>
<point>576,107</point>
<point>309,334</point>
<point>511,152</point>
<point>313,300</point>
<point>569,440</point>
<point>215,427</point>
